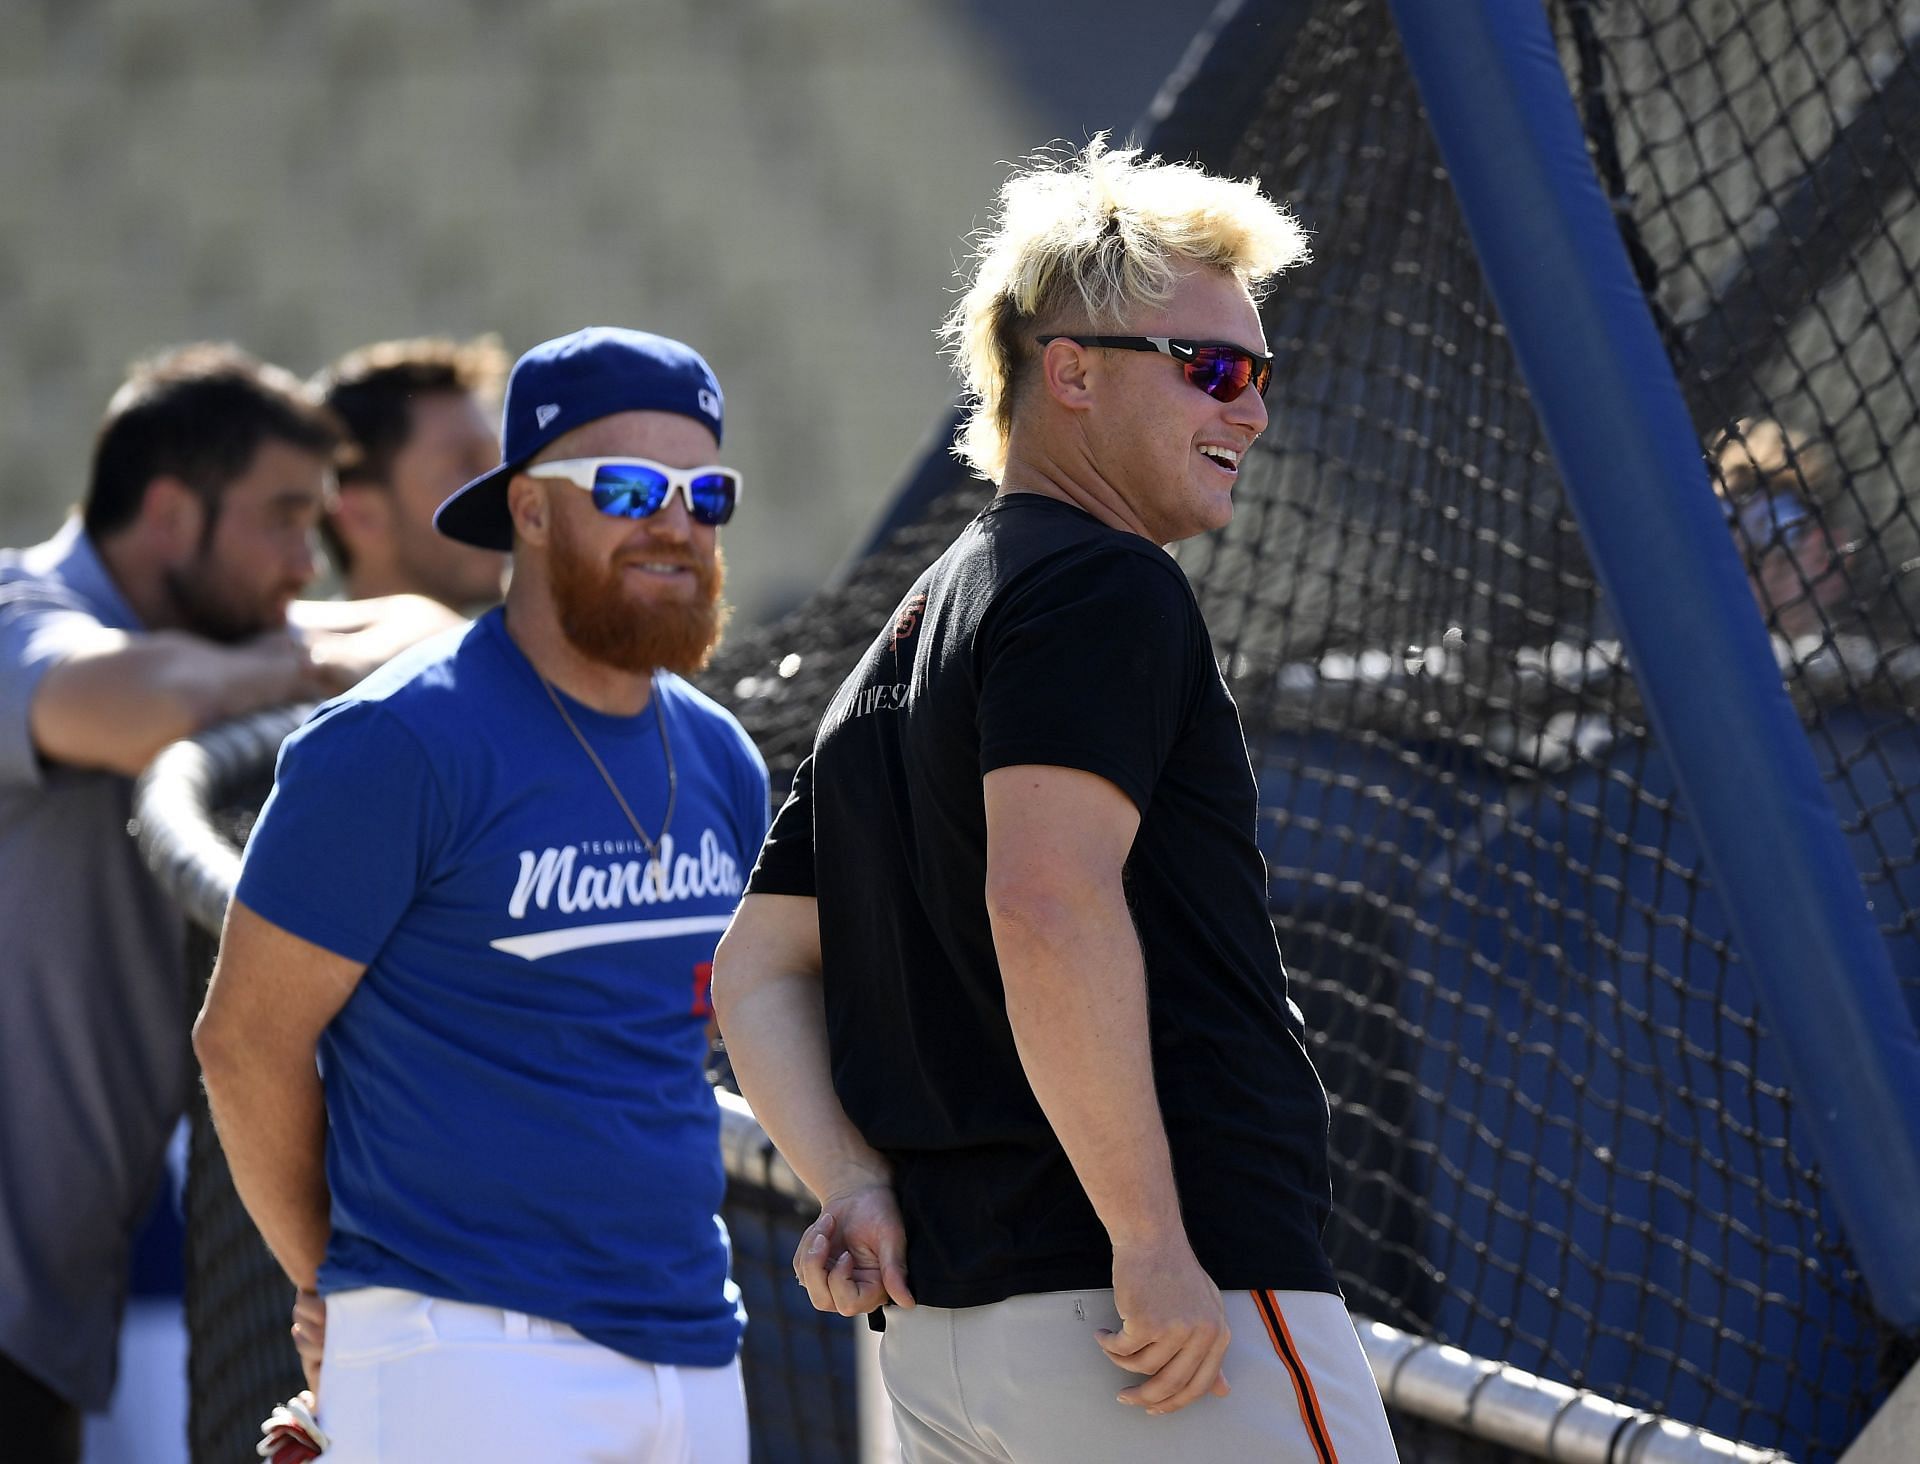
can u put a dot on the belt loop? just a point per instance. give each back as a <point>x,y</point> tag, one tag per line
<point>514,1324</point>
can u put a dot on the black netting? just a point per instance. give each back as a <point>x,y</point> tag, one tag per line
<point>1566,1138</point>
<point>1770,154</point>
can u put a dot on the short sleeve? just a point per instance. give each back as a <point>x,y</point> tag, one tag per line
<point>1092,664</point>
<point>39,628</point>
<point>785,866</point>
<point>348,836</point>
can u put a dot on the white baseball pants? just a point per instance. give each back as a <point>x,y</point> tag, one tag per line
<point>406,1377</point>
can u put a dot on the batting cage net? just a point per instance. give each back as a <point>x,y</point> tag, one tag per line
<point>1564,1135</point>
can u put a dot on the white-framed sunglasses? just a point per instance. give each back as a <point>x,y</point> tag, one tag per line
<point>637,487</point>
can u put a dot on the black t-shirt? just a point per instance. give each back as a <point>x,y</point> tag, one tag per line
<point>1043,636</point>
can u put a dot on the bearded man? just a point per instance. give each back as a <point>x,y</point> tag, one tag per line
<point>484,894</point>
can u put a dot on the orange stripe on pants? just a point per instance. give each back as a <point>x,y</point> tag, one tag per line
<point>1303,1393</point>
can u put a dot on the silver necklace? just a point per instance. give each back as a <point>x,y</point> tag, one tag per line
<point>673,778</point>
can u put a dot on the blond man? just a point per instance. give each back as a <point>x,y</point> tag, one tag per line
<point>1004,986</point>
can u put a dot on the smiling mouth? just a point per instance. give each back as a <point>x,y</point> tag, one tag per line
<point>1224,458</point>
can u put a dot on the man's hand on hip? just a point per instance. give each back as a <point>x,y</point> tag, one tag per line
<point>309,1331</point>
<point>1173,1326</point>
<point>853,1259</point>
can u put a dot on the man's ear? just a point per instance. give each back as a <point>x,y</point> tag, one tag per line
<point>173,515</point>
<point>532,509</point>
<point>1066,371</point>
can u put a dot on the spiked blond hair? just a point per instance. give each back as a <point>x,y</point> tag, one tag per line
<point>1091,235</point>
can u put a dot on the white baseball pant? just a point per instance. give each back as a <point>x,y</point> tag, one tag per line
<point>406,1377</point>
<point>1024,1380</point>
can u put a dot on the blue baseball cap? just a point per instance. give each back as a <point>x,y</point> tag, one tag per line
<point>566,383</point>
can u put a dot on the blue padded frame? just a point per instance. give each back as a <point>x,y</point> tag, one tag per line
<point>1498,102</point>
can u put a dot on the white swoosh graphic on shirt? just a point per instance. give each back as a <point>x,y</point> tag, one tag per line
<point>579,937</point>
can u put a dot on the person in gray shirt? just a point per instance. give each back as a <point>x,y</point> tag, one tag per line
<point>167,605</point>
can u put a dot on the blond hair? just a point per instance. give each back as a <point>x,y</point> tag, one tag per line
<point>1095,234</point>
<point>1759,455</point>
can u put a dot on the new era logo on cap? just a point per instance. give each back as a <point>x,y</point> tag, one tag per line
<point>709,402</point>
<point>544,415</point>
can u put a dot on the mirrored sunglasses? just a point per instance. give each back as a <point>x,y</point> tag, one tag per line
<point>1219,368</point>
<point>637,488</point>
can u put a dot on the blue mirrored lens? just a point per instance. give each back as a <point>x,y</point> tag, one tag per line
<point>714,495</point>
<point>628,490</point>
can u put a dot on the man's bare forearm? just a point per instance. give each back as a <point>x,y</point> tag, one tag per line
<point>349,638</point>
<point>1077,1002</point>
<point>117,702</point>
<point>270,999</point>
<point>114,707</point>
<point>775,1027</point>
<point>271,1117</point>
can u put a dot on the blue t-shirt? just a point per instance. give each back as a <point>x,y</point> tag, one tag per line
<point>517,1109</point>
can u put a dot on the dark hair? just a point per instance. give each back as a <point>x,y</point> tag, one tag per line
<point>198,413</point>
<point>371,391</point>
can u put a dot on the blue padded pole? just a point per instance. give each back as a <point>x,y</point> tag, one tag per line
<point>1499,106</point>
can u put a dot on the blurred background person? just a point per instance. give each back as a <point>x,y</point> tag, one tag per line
<point>168,604</point>
<point>1781,493</point>
<point>419,417</point>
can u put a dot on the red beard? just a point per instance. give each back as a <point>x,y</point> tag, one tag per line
<point>597,616</point>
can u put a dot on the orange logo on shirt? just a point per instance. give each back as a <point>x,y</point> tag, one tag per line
<point>908,620</point>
